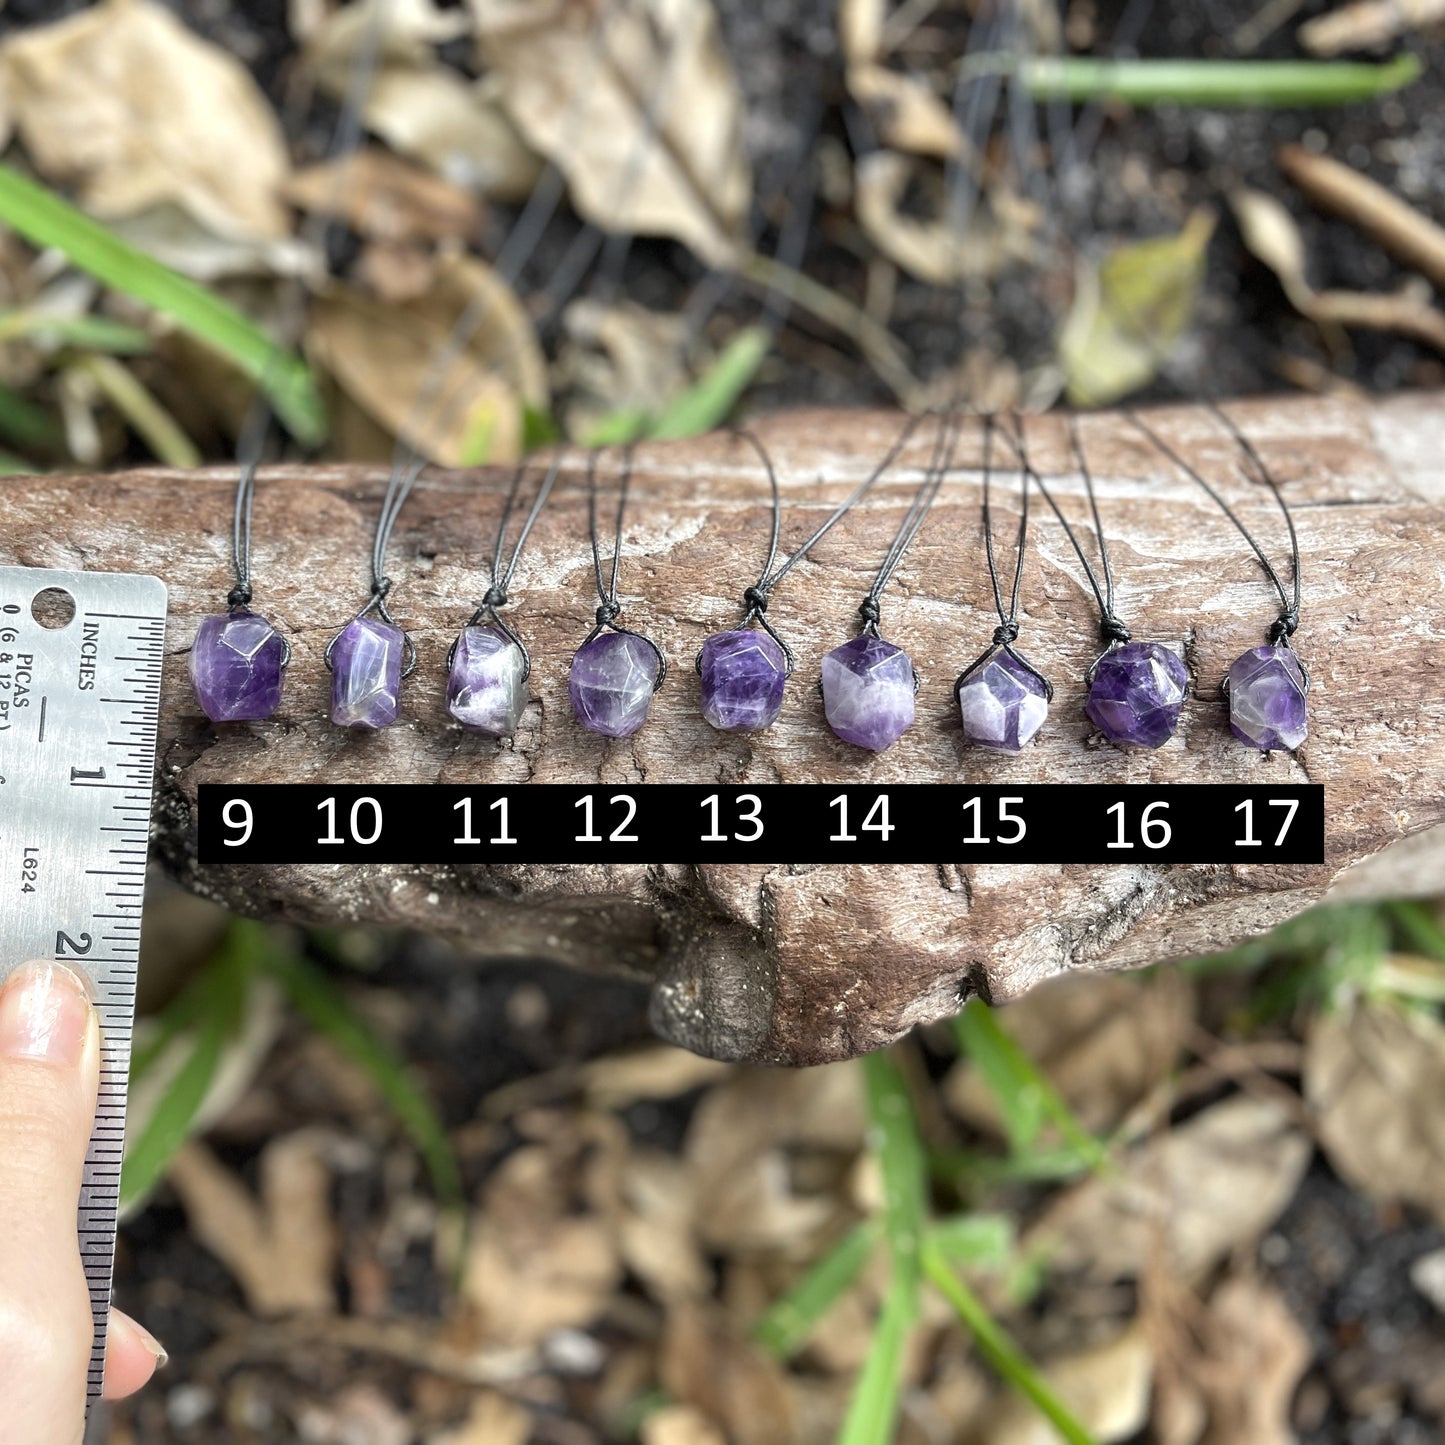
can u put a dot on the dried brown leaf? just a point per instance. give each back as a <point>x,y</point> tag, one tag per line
<point>1404,232</point>
<point>492,1420</point>
<point>1368,24</point>
<point>386,358</point>
<point>1212,1185</point>
<point>728,1380</point>
<point>1270,233</point>
<point>280,1246</point>
<point>133,110</point>
<point>1375,1076</point>
<point>680,1425</point>
<point>656,1229</point>
<point>380,195</point>
<point>639,109</point>
<point>930,249</point>
<point>1257,1351</point>
<point>907,115</point>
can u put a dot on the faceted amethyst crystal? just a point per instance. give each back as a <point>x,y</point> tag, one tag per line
<point>1267,699</point>
<point>486,688</point>
<point>743,673</point>
<point>366,674</point>
<point>237,667</point>
<point>868,692</point>
<point>611,683</point>
<point>1137,694</point>
<point>1002,704</point>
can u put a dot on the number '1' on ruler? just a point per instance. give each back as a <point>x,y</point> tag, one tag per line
<point>79,708</point>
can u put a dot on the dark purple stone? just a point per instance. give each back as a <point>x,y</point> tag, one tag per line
<point>743,674</point>
<point>1267,699</point>
<point>238,667</point>
<point>868,692</point>
<point>1002,705</point>
<point>366,667</point>
<point>611,683</point>
<point>1137,694</point>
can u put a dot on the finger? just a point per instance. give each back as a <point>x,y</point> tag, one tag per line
<point>132,1356</point>
<point>49,1067</point>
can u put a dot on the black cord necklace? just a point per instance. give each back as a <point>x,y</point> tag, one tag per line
<point>1265,687</point>
<point>744,670</point>
<point>869,685</point>
<point>238,661</point>
<point>616,671</point>
<point>488,665</point>
<point>1136,689</point>
<point>1002,697</point>
<point>370,655</point>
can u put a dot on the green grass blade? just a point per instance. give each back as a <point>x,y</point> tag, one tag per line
<point>984,1241</point>
<point>314,997</point>
<point>1025,1098</point>
<point>1001,1351</point>
<point>23,424</point>
<point>708,404</point>
<point>873,1409</point>
<point>784,1328</point>
<point>87,333</point>
<point>893,1136</point>
<point>150,421</point>
<point>213,1006</point>
<point>1420,927</point>
<point>46,220</point>
<point>1213,83</point>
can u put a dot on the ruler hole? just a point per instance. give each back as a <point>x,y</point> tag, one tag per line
<point>53,608</point>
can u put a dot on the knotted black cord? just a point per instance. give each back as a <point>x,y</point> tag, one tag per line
<point>944,443</point>
<point>397,491</point>
<point>766,584</point>
<point>755,598</point>
<point>1007,631</point>
<point>611,608</point>
<point>257,424</point>
<point>1111,626</point>
<point>1287,623</point>
<point>496,596</point>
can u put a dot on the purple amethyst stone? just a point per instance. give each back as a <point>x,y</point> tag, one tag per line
<point>868,692</point>
<point>366,663</point>
<point>1267,699</point>
<point>1137,694</point>
<point>1002,704</point>
<point>743,674</point>
<point>238,664</point>
<point>487,684</point>
<point>611,683</point>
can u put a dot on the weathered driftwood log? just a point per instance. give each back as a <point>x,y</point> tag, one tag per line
<point>806,964</point>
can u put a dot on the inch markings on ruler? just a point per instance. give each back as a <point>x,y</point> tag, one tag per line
<point>74,827</point>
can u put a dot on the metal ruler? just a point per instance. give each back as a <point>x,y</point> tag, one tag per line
<point>79,706</point>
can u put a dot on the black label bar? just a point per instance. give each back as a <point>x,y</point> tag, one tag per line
<point>772,823</point>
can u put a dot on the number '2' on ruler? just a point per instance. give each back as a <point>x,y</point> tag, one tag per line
<point>79,709</point>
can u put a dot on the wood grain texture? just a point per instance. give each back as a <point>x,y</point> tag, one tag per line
<point>800,965</point>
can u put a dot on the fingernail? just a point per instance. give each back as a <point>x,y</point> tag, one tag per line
<point>154,1346</point>
<point>45,1013</point>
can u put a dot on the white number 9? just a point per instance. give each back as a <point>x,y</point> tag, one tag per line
<point>244,822</point>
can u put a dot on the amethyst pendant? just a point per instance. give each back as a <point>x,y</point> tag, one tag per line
<point>868,692</point>
<point>743,674</point>
<point>611,683</point>
<point>1137,694</point>
<point>487,684</point>
<point>1266,689</point>
<point>366,664</point>
<point>1002,704</point>
<point>238,664</point>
